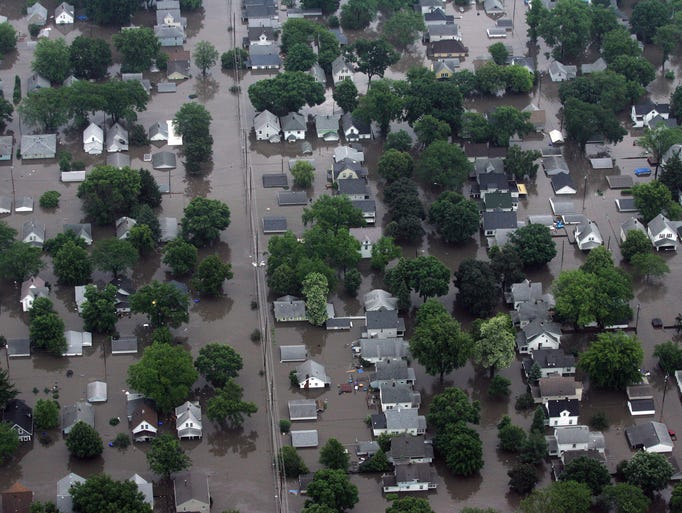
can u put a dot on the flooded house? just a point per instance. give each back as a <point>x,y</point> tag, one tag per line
<point>123,227</point>
<point>31,289</point>
<point>289,309</point>
<point>6,146</point>
<point>117,138</point>
<point>417,477</point>
<point>327,127</point>
<point>367,237</point>
<point>538,334</point>
<point>551,362</point>
<point>37,14</point>
<point>557,387</point>
<point>311,374</point>
<point>33,233</point>
<point>264,57</point>
<point>144,420</point>
<point>97,392</point>
<point>18,348</point>
<point>662,233</point>
<point>642,114</point>
<point>383,324</point>
<point>302,409</point>
<point>293,127</point>
<point>304,438</point>
<point>574,438</point>
<point>146,488</point>
<point>355,189</point>
<point>348,168</point>
<point>19,416</point>
<point>267,127</point>
<point>397,395</point>
<point>191,491</point>
<point>64,14</point>
<point>650,436</point>
<point>631,224</point>
<point>398,421</point>
<point>408,449</point>
<point>80,411</point>
<point>297,353</point>
<point>39,146</point>
<point>188,423</point>
<point>76,341</point>
<point>562,412</point>
<point>641,399</point>
<point>379,299</point>
<point>64,499</point>
<point>588,236</point>
<point>355,128</point>
<point>374,350</point>
<point>341,70</point>
<point>559,72</point>
<point>16,499</point>
<point>83,231</point>
<point>392,372</point>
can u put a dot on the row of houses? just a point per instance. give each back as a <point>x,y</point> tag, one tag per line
<point>293,127</point>
<point>37,14</point>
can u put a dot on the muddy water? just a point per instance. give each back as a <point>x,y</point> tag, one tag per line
<point>239,462</point>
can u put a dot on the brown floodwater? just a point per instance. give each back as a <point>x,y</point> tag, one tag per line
<point>239,462</point>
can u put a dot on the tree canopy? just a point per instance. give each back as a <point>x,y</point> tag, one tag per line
<point>332,213</point>
<point>203,221</point>
<point>84,441</point>
<point>315,291</point>
<point>286,92</point>
<point>227,406</point>
<point>534,244</point>
<point>495,348</point>
<point>372,56</point>
<point>613,361</point>
<point>162,302</point>
<point>461,448</point>
<point>455,217</point>
<point>19,260</point>
<point>9,441</point>
<point>52,60</point>
<point>109,192</point>
<point>139,46</point>
<point>334,456</point>
<point>90,57</point>
<point>101,494</point>
<point>332,488</point>
<point>193,123</point>
<point>205,56</point>
<point>99,309</point>
<point>625,498</point>
<point>217,363</point>
<point>46,328</point>
<point>443,164</point>
<point>650,471</point>
<point>478,287</point>
<point>451,406</point>
<point>114,255</point>
<point>589,471</point>
<point>166,456</point>
<point>559,497</point>
<point>210,276</point>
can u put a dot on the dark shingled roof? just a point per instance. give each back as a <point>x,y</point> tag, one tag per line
<point>272,180</point>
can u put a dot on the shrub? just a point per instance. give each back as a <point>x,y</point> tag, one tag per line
<point>599,422</point>
<point>121,441</point>
<point>34,29</point>
<point>64,161</point>
<point>499,387</point>
<point>16,95</point>
<point>77,165</point>
<point>255,335</point>
<point>524,402</point>
<point>50,199</point>
<point>284,426</point>
<point>114,421</point>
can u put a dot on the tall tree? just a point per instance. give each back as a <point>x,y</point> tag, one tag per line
<point>383,251</point>
<point>193,123</point>
<point>613,360</point>
<point>429,129</point>
<point>589,471</point>
<point>7,390</point>
<point>101,494</point>
<point>507,121</point>
<point>111,12</point>
<point>139,47</point>
<point>534,245</point>
<point>210,276</point>
<point>559,497</point>
<point>520,164</point>
<point>636,243</point>
<point>495,348</point>
<point>357,14</point>
<point>84,441</point>
<point>372,56</point>
<point>650,471</point>
<point>647,17</point>
<point>332,213</point>
<point>381,104</point>
<point>451,406</point>
<point>394,164</point>
<point>290,462</point>
<point>567,28</point>
<point>20,260</point>
<point>109,193</point>
<point>455,217</point>
<point>165,456</point>
<point>478,287</point>
<point>90,57</point>
<point>443,165</point>
<point>346,95</point>
<point>403,28</point>
<point>652,198</point>
<point>203,221</point>
<point>625,498</point>
<point>583,120</point>
<point>300,57</point>
<point>114,255</point>
<point>334,456</point>
<point>658,141</point>
<point>99,309</point>
<point>669,356</point>
<point>8,38</point>
<point>332,488</point>
<point>51,60</point>
<point>165,374</point>
<point>46,414</point>
<point>46,329</point>
<point>123,99</point>
<point>461,448</point>
<point>162,302</point>
<point>227,407</point>
<point>218,362</point>
<point>46,109</point>
<point>649,265</point>
<point>72,265</point>
<point>315,290</point>
<point>287,92</point>
<point>205,56</point>
<point>9,441</point>
<point>180,256</point>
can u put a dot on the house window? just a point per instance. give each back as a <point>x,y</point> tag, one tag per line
<point>574,446</point>
<point>570,421</point>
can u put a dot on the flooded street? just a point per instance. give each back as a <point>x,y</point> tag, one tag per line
<point>239,462</point>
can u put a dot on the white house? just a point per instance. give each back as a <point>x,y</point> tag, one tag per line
<point>293,126</point>
<point>19,416</point>
<point>144,421</point>
<point>123,227</point>
<point>427,6</point>
<point>555,388</point>
<point>643,113</point>
<point>383,324</point>
<point>407,450</point>
<point>650,436</point>
<point>574,438</point>
<point>93,139</point>
<point>551,362</point>
<point>563,184</point>
<point>559,72</point>
<point>64,14</point>
<point>327,127</point>
<point>188,420</point>
<point>630,225</point>
<point>538,334</point>
<point>267,127</point>
<point>396,395</point>
<point>661,233</point>
<point>341,70</point>
<point>31,289</point>
<point>311,374</point>
<point>355,129</point>
<point>588,236</point>
<point>117,138</point>
<point>33,233</point>
<point>367,237</point>
<point>562,412</point>
<point>375,350</point>
<point>398,421</point>
<point>192,493</point>
<point>418,477</point>
<point>392,371</point>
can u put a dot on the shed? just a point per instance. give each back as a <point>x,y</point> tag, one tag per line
<point>561,207</point>
<point>124,345</point>
<point>302,409</point>
<point>23,204</point>
<point>297,353</point>
<point>556,137</point>
<point>626,205</point>
<point>169,228</point>
<point>164,160</point>
<point>166,87</point>
<point>292,198</point>
<point>563,184</point>
<point>619,181</point>
<point>650,436</point>
<point>304,438</point>
<point>602,163</point>
<point>274,180</point>
<point>274,224</point>
<point>97,392</point>
<point>18,347</point>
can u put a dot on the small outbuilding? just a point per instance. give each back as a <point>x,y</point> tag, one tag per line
<point>97,392</point>
<point>302,409</point>
<point>124,345</point>
<point>304,438</point>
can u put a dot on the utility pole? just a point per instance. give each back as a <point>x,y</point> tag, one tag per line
<point>14,194</point>
<point>584,192</point>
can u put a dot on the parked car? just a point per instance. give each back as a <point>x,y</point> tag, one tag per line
<point>642,171</point>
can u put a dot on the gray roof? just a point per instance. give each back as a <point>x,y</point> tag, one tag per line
<point>158,130</point>
<point>118,160</point>
<point>353,187</point>
<point>409,447</point>
<point>266,118</point>
<point>398,393</point>
<point>18,413</point>
<point>78,412</point>
<point>399,418</point>
<point>549,358</point>
<point>169,228</point>
<point>449,65</point>
<point>384,319</point>
<point>554,164</point>
<point>36,81</point>
<point>393,369</point>
<point>626,205</point>
<point>33,228</point>
<point>191,485</point>
<point>302,409</point>
<point>5,205</point>
<point>124,345</point>
<point>82,230</point>
<point>97,392</point>
<point>117,137</point>
<point>367,448</point>
<point>556,68</point>
<point>417,472</point>
<point>318,74</point>
<point>163,160</point>
<point>6,143</point>
<point>304,438</point>
<point>378,299</point>
<point>348,164</point>
<point>591,67</point>
<point>297,353</point>
<point>145,487</point>
<point>496,220</point>
<point>274,224</point>
<point>312,369</point>
<point>75,341</point>
<point>555,407</point>
<point>37,13</point>
<point>585,230</point>
<point>123,226</point>
<point>526,291</point>
<point>451,29</point>
<point>380,348</point>
<point>632,224</point>
<point>640,391</point>
<point>619,181</point>
<point>272,180</point>
<point>264,60</point>
<point>648,434</point>
<point>366,206</point>
<point>566,435</point>
<point>37,146</point>
<point>537,327</point>
<point>293,121</point>
<point>254,33</point>
<point>340,36</point>
<point>557,386</point>
<point>339,63</point>
<point>64,502</point>
<point>438,15</point>
<point>290,198</point>
<point>561,180</point>
<point>562,207</point>
<point>659,224</point>
<point>166,87</point>
<point>348,121</point>
<point>324,122</point>
<point>64,7</point>
<point>289,307</point>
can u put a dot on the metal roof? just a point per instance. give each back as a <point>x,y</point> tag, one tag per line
<point>302,409</point>
<point>291,198</point>
<point>297,353</point>
<point>272,180</point>
<point>274,224</point>
<point>124,345</point>
<point>97,392</point>
<point>17,347</point>
<point>304,438</point>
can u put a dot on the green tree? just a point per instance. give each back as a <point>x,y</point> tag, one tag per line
<point>559,497</point>
<point>352,279</point>
<point>46,329</point>
<point>508,121</point>
<point>539,418</point>
<point>613,361</point>
<point>534,244</point>
<point>49,199</point>
<point>193,123</point>
<point>162,302</point>
<point>149,196</point>
<point>478,287</point>
<point>99,309</point>
<point>455,217</point>
<point>51,59</point>
<point>332,488</point>
<point>534,17</point>
<point>72,265</point>
<point>84,441</point>
<point>166,456</point>
<point>618,42</point>
<point>7,390</point>
<point>520,164</point>
<point>567,28</point>
<point>290,462</point>
<point>534,449</point>
<point>647,17</point>
<point>234,59</point>
<point>461,448</point>
<point>111,12</point>
<point>499,387</point>
<point>46,109</point>
<point>315,290</point>
<point>9,441</point>
<point>101,494</point>
<point>671,175</point>
<point>217,363</point>
<point>625,498</point>
<point>589,471</point>
<point>327,6</point>
<point>409,505</point>
<point>429,129</point>
<point>381,104</point>
<point>511,437</point>
<point>383,251</point>
<point>636,69</point>
<point>649,265</point>
<point>496,346</point>
<point>651,199</point>
<point>399,140</point>
<point>89,57</point>
<point>522,478</point>
<point>109,193</point>
<point>300,57</point>
<point>499,53</point>
<point>165,374</point>
<point>19,260</point>
<point>394,164</point>
<point>123,99</point>
<point>180,256</point>
<point>7,235</point>
<point>438,342</point>
<point>372,56</point>
<point>507,265</point>
<point>303,173</point>
<point>378,462</point>
<point>452,406</point>
<point>636,243</point>
<point>46,414</point>
<point>287,92</point>
<point>211,274</point>
<point>227,407</point>
<point>139,47</point>
<point>205,56</point>
<point>141,238</point>
<point>583,120</point>
<point>669,356</point>
<point>203,221</point>
<point>8,38</point>
<point>6,110</point>
<point>443,165</point>
<point>403,28</point>
<point>475,128</point>
<point>676,499</point>
<point>357,14</point>
<point>114,255</point>
<point>346,95</point>
<point>332,213</point>
<point>334,456</point>
<point>650,471</point>
<point>657,141</point>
